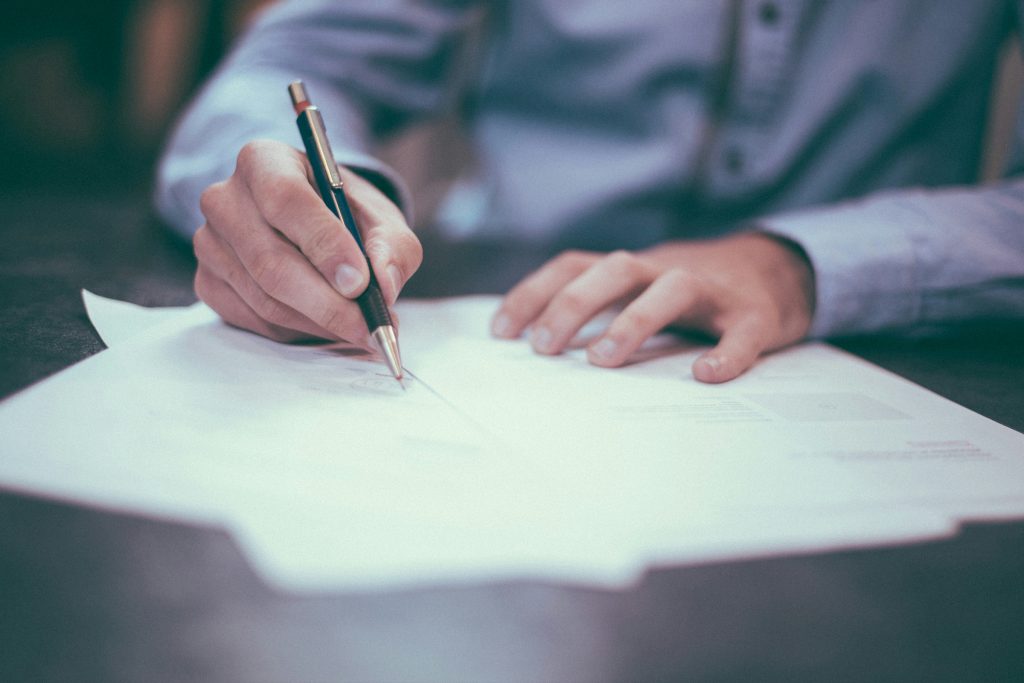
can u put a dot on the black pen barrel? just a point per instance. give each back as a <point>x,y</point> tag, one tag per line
<point>371,301</point>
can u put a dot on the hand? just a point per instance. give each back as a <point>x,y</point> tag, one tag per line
<point>274,260</point>
<point>753,292</point>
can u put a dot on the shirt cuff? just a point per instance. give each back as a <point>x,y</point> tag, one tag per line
<point>385,178</point>
<point>863,258</point>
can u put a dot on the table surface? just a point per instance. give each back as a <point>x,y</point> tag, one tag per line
<point>87,594</point>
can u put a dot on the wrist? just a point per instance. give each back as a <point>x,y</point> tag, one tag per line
<point>788,269</point>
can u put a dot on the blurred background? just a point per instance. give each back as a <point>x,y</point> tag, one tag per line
<point>88,91</point>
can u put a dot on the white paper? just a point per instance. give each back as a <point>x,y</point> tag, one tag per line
<point>118,321</point>
<point>494,462</point>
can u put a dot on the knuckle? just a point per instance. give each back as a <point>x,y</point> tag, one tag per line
<point>201,243</point>
<point>270,271</point>
<point>236,275</point>
<point>635,321</point>
<point>573,259</point>
<point>270,310</point>
<point>622,262</point>
<point>249,155</point>
<point>411,248</point>
<point>570,299</point>
<point>212,199</point>
<point>201,285</point>
<point>278,199</point>
<point>322,241</point>
<point>619,255</point>
<point>376,248</point>
<point>679,279</point>
<point>333,319</point>
<point>528,293</point>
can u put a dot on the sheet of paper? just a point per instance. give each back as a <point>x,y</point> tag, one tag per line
<point>496,463</point>
<point>118,321</point>
<point>808,426</point>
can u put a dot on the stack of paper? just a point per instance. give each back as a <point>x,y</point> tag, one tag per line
<point>492,462</point>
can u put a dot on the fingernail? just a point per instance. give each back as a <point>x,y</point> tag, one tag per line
<point>605,348</point>
<point>501,326</point>
<point>395,276</point>
<point>711,364</point>
<point>541,339</point>
<point>348,279</point>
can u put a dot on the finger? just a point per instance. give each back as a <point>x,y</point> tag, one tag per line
<point>608,280</point>
<point>278,181</point>
<point>394,251</point>
<point>217,257</point>
<point>739,347</point>
<point>275,264</point>
<point>674,294</point>
<point>219,296</point>
<point>529,298</point>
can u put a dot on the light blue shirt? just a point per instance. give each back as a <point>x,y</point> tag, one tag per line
<point>852,128</point>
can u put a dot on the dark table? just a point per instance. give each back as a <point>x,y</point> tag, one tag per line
<point>91,595</point>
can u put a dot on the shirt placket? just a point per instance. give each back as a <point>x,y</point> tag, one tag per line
<point>765,45</point>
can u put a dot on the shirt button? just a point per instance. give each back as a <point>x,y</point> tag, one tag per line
<point>734,161</point>
<point>768,13</point>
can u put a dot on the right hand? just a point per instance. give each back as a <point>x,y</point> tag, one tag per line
<point>274,260</point>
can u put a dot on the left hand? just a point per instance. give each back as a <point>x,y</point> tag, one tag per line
<point>751,291</point>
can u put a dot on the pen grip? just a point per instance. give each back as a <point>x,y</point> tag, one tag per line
<point>371,301</point>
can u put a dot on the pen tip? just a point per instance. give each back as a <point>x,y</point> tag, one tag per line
<point>388,344</point>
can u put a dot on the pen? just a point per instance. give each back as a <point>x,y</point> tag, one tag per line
<point>328,181</point>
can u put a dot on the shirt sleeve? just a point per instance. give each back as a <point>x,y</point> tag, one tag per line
<point>916,259</point>
<point>913,258</point>
<point>371,66</point>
